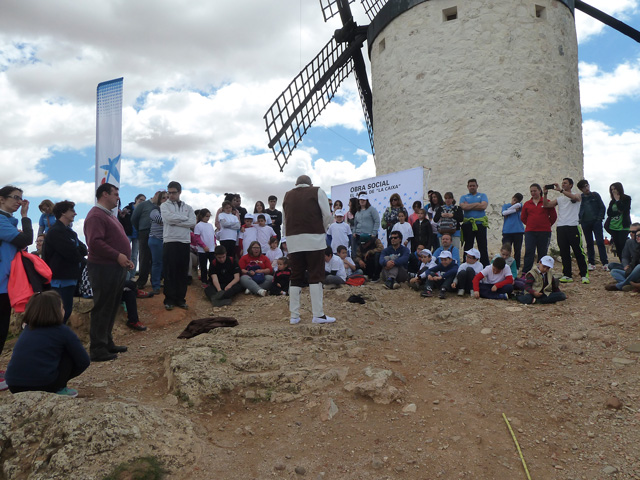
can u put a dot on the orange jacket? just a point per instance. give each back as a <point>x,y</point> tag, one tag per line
<point>19,287</point>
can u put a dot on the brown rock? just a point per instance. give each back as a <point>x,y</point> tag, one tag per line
<point>614,403</point>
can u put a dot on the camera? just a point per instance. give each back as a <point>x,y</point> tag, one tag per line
<point>550,187</point>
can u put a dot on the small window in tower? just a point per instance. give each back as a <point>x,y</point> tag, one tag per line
<point>449,14</point>
<point>541,12</point>
<point>382,46</point>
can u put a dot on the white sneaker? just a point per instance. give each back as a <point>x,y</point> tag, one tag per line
<point>262,292</point>
<point>460,292</point>
<point>3,385</point>
<point>294,321</point>
<point>591,267</point>
<point>247,291</point>
<point>326,319</point>
<point>605,268</point>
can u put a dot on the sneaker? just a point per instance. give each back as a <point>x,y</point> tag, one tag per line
<point>426,293</point>
<point>389,284</point>
<point>461,292</point>
<point>396,285</point>
<point>412,275</point>
<point>611,287</point>
<point>565,279</point>
<point>586,280</point>
<point>442,294</point>
<point>504,296</point>
<point>323,319</point>
<point>3,385</point>
<point>605,268</point>
<point>591,267</point>
<point>168,306</point>
<point>184,306</point>
<point>262,292</point>
<point>136,326</point>
<point>69,392</point>
<point>294,321</point>
<point>156,291</point>
<point>627,288</point>
<point>143,294</point>
<point>247,292</point>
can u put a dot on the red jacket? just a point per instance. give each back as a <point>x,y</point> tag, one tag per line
<point>20,290</point>
<point>262,261</point>
<point>536,217</point>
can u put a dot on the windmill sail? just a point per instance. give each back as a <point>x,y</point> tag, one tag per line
<point>372,7</point>
<point>608,20</point>
<point>330,8</point>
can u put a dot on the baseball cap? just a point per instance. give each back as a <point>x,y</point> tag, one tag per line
<point>547,261</point>
<point>474,252</point>
<point>426,252</point>
<point>445,254</point>
<point>363,196</point>
<point>339,213</point>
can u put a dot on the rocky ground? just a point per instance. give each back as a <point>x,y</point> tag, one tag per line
<point>400,387</point>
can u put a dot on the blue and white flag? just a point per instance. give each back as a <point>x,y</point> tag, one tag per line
<point>109,132</point>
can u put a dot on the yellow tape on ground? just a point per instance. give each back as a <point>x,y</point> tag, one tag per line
<point>513,435</point>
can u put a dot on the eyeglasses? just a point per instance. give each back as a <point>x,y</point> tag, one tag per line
<point>174,192</point>
<point>632,233</point>
<point>394,238</point>
<point>15,197</point>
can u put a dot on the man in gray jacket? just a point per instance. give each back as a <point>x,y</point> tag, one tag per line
<point>141,221</point>
<point>178,219</point>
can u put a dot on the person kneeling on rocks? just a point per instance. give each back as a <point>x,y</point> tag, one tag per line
<point>224,273</point>
<point>540,285</point>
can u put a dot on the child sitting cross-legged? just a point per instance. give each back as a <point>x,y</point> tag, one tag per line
<point>349,265</point>
<point>441,276</point>
<point>467,272</point>
<point>335,274</point>
<point>494,281</point>
<point>540,285</point>
<point>281,277</point>
<point>426,262</point>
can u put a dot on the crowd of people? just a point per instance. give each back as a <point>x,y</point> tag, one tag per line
<point>440,248</point>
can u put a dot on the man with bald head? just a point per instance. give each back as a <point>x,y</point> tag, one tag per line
<point>306,218</point>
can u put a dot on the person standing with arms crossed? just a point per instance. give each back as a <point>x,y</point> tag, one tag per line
<point>475,224</point>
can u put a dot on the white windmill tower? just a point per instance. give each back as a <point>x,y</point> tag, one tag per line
<point>484,89</point>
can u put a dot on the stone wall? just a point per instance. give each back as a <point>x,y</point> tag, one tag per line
<point>491,95</point>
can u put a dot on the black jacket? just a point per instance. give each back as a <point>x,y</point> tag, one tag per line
<point>421,234</point>
<point>63,252</point>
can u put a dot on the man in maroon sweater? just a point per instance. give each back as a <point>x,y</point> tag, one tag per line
<point>107,265</point>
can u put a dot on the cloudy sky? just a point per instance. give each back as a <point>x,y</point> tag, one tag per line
<point>198,80</point>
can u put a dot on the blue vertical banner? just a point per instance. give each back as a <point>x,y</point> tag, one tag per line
<point>109,132</point>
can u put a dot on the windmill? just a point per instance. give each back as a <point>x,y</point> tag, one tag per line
<point>468,88</point>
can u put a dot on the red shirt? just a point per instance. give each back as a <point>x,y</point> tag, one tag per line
<point>536,217</point>
<point>262,261</point>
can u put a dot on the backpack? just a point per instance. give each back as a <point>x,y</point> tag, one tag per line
<point>447,224</point>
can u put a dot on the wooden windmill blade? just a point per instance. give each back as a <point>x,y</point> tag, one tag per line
<point>372,7</point>
<point>608,20</point>
<point>330,8</point>
<point>366,97</point>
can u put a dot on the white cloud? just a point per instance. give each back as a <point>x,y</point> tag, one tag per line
<point>77,191</point>
<point>599,88</point>
<point>588,27</point>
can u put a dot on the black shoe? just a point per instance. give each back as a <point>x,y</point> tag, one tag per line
<point>389,284</point>
<point>183,306</point>
<point>221,302</point>
<point>118,349</point>
<point>104,358</point>
<point>426,293</point>
<point>168,306</point>
<point>136,326</point>
<point>443,294</point>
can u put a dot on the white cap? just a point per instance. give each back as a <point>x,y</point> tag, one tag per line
<point>249,216</point>
<point>474,252</point>
<point>445,254</point>
<point>426,252</point>
<point>283,240</point>
<point>363,196</point>
<point>339,213</point>
<point>547,261</point>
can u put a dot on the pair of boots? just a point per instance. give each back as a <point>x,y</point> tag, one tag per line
<point>315,291</point>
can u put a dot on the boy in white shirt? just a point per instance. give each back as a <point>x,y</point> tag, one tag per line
<point>467,272</point>
<point>349,265</point>
<point>274,253</point>
<point>264,232</point>
<point>494,281</point>
<point>335,274</point>
<point>248,233</point>
<point>427,262</point>
<point>339,231</point>
<point>405,228</point>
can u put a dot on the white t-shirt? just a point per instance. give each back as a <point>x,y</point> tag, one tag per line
<point>567,212</point>
<point>406,230</point>
<point>477,267</point>
<point>274,255</point>
<point>352,266</point>
<point>340,233</point>
<point>428,266</point>
<point>250,234</point>
<point>207,234</point>
<point>335,263</point>
<point>263,236</point>
<point>493,278</point>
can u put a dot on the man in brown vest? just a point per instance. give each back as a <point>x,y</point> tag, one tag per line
<point>306,219</point>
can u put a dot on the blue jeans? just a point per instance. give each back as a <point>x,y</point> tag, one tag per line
<point>155,245</point>
<point>534,241</point>
<point>619,277</point>
<point>591,230</point>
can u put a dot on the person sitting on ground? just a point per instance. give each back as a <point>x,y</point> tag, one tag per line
<point>225,278</point>
<point>368,256</point>
<point>505,252</point>
<point>467,272</point>
<point>281,278</point>
<point>47,219</point>
<point>414,261</point>
<point>335,274</point>
<point>513,228</point>
<point>256,271</point>
<point>47,354</point>
<point>404,228</point>
<point>447,246</point>
<point>264,232</point>
<point>422,233</point>
<point>441,276</point>
<point>627,251</point>
<point>426,262</point>
<point>540,285</point>
<point>248,234</point>
<point>349,265</point>
<point>274,253</point>
<point>339,232</point>
<point>394,261</point>
<point>494,281</point>
<point>629,278</point>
